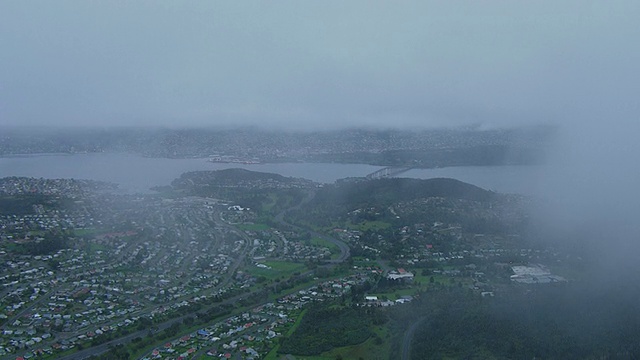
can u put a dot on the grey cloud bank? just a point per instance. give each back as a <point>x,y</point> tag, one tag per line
<point>316,64</point>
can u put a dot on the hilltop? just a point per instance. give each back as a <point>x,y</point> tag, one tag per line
<point>232,178</point>
<point>387,190</point>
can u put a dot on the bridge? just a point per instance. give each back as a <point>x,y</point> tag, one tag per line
<point>389,171</point>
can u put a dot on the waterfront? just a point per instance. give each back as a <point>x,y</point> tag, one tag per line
<point>135,173</point>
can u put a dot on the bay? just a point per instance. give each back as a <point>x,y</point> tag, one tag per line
<point>136,174</point>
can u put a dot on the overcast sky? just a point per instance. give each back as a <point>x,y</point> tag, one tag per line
<point>305,63</point>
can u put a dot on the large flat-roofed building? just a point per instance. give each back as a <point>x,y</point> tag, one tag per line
<point>400,274</point>
<point>537,274</point>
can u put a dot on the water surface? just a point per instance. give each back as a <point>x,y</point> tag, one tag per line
<point>135,173</point>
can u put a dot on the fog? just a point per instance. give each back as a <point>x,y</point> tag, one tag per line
<point>591,196</point>
<point>301,66</point>
<point>308,65</point>
<point>292,65</point>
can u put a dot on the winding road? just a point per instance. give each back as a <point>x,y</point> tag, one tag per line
<point>408,336</point>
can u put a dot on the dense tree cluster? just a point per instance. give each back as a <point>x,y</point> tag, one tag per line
<point>49,243</point>
<point>324,328</point>
<point>564,322</point>
<point>333,203</point>
<point>23,204</point>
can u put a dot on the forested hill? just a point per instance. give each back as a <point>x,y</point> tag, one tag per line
<point>385,191</point>
<point>223,177</point>
<point>235,178</point>
<point>402,201</point>
<point>252,189</point>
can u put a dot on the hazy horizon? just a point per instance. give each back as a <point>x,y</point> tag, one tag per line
<point>317,65</point>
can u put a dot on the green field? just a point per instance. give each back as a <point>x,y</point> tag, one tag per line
<point>270,202</point>
<point>370,349</point>
<point>333,248</point>
<point>93,247</point>
<point>277,269</point>
<point>445,280</point>
<point>87,232</point>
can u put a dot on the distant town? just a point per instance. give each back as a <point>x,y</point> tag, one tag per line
<point>422,148</point>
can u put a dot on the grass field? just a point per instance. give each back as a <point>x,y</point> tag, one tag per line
<point>333,248</point>
<point>370,349</point>
<point>445,280</point>
<point>97,247</point>
<point>277,269</point>
<point>271,201</point>
<point>87,232</point>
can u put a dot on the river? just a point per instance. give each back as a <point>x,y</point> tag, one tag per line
<point>135,173</point>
